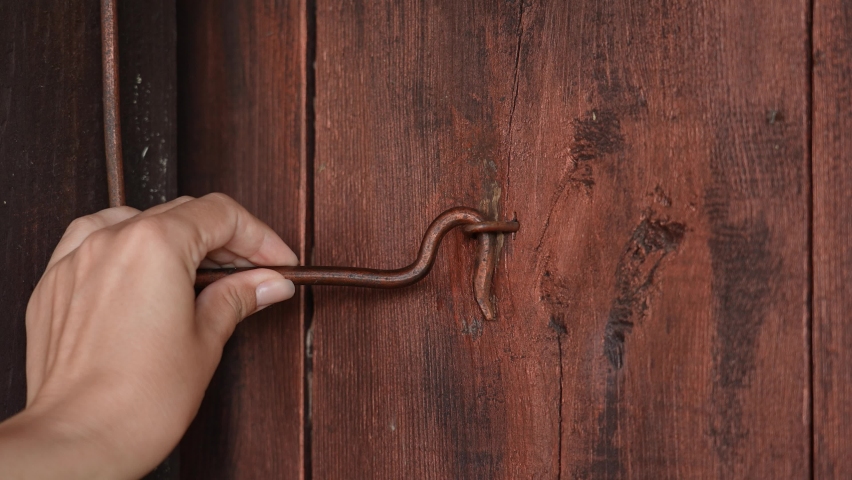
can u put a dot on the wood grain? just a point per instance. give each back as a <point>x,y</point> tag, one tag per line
<point>51,141</point>
<point>51,147</point>
<point>653,307</point>
<point>832,228</point>
<point>147,37</point>
<point>241,119</point>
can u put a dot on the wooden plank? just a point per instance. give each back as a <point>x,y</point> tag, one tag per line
<point>147,32</point>
<point>51,154</point>
<point>414,107</point>
<point>653,307</point>
<point>242,105</point>
<point>832,226</point>
<point>52,145</point>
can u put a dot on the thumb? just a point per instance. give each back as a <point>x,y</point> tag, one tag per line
<point>226,302</point>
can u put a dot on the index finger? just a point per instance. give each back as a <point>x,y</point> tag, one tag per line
<point>217,221</point>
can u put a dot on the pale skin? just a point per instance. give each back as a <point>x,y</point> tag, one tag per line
<point>119,349</point>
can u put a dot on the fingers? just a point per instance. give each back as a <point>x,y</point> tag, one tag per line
<point>226,302</point>
<point>165,207</point>
<point>82,227</point>
<point>216,223</point>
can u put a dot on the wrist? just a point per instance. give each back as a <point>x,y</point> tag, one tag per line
<point>42,444</point>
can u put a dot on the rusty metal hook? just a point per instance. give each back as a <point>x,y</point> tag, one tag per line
<point>476,225</point>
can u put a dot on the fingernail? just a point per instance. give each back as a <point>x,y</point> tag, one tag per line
<point>273,291</point>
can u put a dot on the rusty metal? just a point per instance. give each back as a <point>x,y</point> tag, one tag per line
<point>485,231</point>
<point>112,118</point>
<point>486,227</point>
<point>473,221</point>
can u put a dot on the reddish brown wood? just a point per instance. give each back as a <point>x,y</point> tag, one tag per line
<point>242,114</point>
<point>832,237</point>
<point>653,307</point>
<point>414,102</point>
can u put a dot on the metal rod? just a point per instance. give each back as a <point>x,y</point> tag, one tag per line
<point>373,278</point>
<point>474,222</point>
<point>112,117</point>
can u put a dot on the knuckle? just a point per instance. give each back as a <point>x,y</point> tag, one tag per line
<point>220,197</point>
<point>238,301</point>
<point>234,305</point>
<point>95,244</point>
<point>147,231</point>
<point>222,201</point>
<point>147,235</point>
<point>82,224</point>
<point>128,211</point>
<point>90,252</point>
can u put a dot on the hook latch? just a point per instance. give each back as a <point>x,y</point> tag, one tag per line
<point>474,224</point>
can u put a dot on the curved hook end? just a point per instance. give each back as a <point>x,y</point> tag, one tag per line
<point>486,258</point>
<point>486,261</point>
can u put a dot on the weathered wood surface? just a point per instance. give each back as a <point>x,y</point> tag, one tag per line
<point>52,145</point>
<point>653,307</point>
<point>147,38</point>
<point>241,103</point>
<point>832,237</point>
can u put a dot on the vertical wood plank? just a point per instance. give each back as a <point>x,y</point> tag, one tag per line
<point>669,226</point>
<point>832,228</point>
<point>147,37</point>
<point>51,154</point>
<point>414,114</point>
<point>51,139</point>
<point>653,307</point>
<point>241,119</point>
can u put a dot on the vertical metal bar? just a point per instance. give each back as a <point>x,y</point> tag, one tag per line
<point>112,118</point>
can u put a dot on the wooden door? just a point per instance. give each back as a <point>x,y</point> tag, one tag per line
<point>653,306</point>
<point>673,306</point>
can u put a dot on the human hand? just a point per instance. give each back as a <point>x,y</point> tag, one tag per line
<point>119,349</point>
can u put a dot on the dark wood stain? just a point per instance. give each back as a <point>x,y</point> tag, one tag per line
<point>596,134</point>
<point>51,147</point>
<point>643,254</point>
